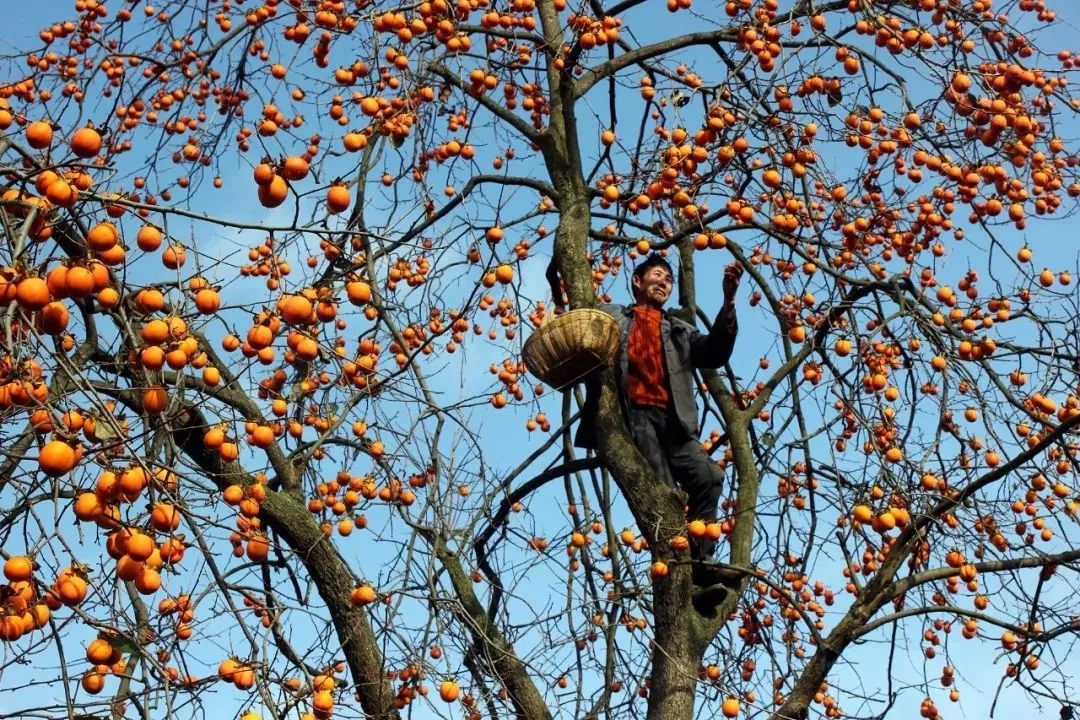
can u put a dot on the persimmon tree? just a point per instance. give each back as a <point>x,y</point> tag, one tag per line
<point>269,447</point>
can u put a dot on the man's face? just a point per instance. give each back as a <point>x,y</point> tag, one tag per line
<point>654,287</point>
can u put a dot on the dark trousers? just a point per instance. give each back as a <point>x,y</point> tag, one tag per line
<point>679,460</point>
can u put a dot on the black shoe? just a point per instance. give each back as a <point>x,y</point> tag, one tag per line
<point>707,600</point>
<point>707,573</point>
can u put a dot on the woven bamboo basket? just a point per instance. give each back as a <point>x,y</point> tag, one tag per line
<point>567,348</point>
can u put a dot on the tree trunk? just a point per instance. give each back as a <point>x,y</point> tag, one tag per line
<point>657,509</point>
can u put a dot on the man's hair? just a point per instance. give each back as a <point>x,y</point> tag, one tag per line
<point>654,260</point>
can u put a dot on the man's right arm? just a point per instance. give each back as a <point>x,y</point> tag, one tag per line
<point>714,349</point>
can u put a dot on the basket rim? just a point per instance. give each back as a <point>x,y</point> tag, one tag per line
<point>531,345</point>
<point>600,315</point>
<point>537,357</point>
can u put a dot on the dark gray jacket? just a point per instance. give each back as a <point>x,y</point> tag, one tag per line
<point>685,348</point>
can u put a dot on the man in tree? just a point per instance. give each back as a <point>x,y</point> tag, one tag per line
<point>654,374</point>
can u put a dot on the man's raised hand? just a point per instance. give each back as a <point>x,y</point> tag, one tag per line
<point>732,276</point>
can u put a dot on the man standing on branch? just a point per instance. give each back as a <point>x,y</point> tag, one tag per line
<point>654,375</point>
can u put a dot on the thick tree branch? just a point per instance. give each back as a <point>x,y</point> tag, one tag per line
<point>900,587</point>
<point>527,131</point>
<point>508,668</point>
<point>647,52</point>
<point>286,513</point>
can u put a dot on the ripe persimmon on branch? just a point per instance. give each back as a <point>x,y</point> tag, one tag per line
<point>269,445</point>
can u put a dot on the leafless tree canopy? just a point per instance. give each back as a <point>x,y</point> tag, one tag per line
<point>268,448</point>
